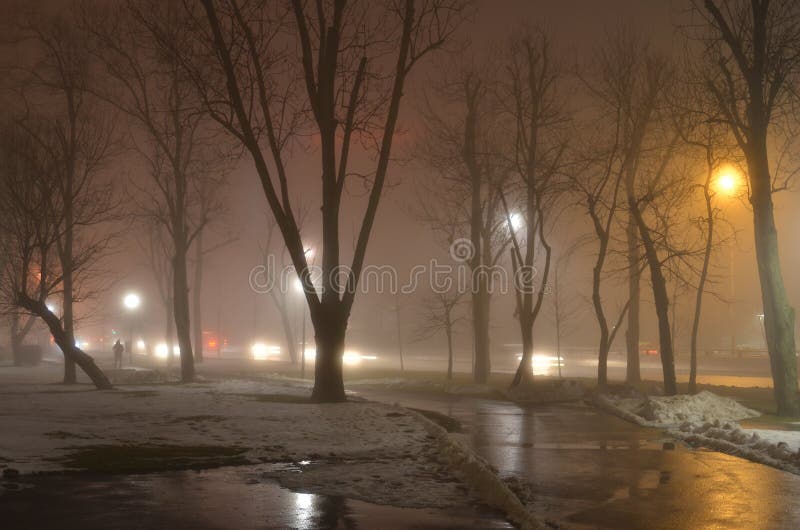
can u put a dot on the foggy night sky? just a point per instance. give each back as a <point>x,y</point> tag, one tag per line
<point>400,240</point>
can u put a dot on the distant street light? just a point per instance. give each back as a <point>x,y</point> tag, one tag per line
<point>516,221</point>
<point>132,302</point>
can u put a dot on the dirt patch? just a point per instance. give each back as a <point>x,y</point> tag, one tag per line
<point>198,418</point>
<point>277,398</point>
<point>114,459</point>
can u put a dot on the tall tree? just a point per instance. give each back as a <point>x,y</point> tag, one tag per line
<point>32,225</point>
<point>340,79</point>
<point>598,186</point>
<point>536,114</point>
<point>463,202</point>
<point>754,61</point>
<point>441,313</point>
<point>171,134</point>
<point>638,78</point>
<point>54,87</point>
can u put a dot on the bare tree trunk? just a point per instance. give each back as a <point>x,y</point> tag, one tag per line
<point>329,330</point>
<point>70,375</point>
<point>558,344</point>
<point>197,301</point>
<point>633,373</point>
<point>701,285</point>
<point>524,373</point>
<point>597,303</point>
<point>169,331</point>
<point>181,311</point>
<point>68,347</point>
<point>291,342</point>
<point>16,340</point>
<point>661,300</point>
<point>779,317</point>
<point>481,318</point>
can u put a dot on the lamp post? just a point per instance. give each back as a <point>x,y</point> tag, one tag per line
<point>132,302</point>
<point>728,183</point>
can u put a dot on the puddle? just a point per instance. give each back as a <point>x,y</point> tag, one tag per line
<point>234,497</point>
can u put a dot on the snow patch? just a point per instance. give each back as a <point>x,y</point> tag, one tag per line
<point>361,450</point>
<point>773,448</point>
<point>660,411</point>
<point>708,420</point>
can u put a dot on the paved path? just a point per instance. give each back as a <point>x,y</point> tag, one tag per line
<point>592,470</point>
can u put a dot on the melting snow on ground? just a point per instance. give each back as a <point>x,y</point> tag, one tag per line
<point>361,450</point>
<point>708,420</point>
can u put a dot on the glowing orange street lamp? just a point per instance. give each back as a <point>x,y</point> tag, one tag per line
<point>728,181</point>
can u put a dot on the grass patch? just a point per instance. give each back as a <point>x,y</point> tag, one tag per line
<point>757,398</point>
<point>115,459</point>
<point>138,393</point>
<point>64,435</point>
<point>770,421</point>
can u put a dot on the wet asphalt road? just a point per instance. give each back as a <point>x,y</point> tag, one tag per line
<point>591,470</point>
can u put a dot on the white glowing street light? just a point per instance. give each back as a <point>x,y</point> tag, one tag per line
<point>132,301</point>
<point>516,221</point>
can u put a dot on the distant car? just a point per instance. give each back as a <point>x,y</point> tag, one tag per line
<point>648,349</point>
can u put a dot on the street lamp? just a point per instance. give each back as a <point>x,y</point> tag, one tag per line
<point>516,221</point>
<point>728,181</point>
<point>132,302</point>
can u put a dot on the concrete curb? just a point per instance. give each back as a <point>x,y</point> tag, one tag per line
<point>480,476</point>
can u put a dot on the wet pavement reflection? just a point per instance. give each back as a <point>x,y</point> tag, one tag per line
<point>224,498</point>
<point>592,470</point>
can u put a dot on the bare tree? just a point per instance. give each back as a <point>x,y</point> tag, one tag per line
<point>462,204</point>
<point>703,132</point>
<point>440,313</point>
<point>271,72</point>
<point>754,61</point>
<point>171,134</point>
<point>62,117</point>
<point>33,225</point>
<point>564,309</point>
<point>156,250</point>
<point>537,117</point>
<point>276,259</point>
<point>599,187</point>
